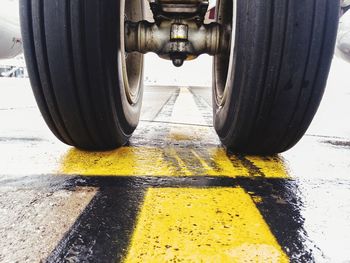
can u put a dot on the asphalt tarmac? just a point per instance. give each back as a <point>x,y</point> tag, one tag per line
<point>174,194</point>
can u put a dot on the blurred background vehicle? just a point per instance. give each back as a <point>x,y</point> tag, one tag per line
<point>14,67</point>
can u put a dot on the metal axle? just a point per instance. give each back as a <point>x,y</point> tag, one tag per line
<point>175,40</point>
<point>178,33</point>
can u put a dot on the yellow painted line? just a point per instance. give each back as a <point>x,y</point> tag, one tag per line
<point>169,161</point>
<point>202,225</point>
<point>272,167</point>
<point>182,167</point>
<point>152,161</point>
<point>125,161</point>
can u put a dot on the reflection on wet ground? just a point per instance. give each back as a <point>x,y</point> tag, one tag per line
<point>172,194</point>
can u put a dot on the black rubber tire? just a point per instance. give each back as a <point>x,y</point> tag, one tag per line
<point>279,69</point>
<point>74,54</point>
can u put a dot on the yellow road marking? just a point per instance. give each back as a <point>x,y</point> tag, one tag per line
<point>125,161</point>
<point>202,225</point>
<point>152,161</point>
<point>272,167</point>
<point>182,167</point>
<point>169,161</point>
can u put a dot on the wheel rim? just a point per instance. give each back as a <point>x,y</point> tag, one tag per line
<point>132,63</point>
<point>226,15</point>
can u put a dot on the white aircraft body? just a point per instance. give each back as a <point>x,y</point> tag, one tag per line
<point>343,40</point>
<point>10,33</point>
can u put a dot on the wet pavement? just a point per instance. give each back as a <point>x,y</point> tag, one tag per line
<point>174,194</point>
